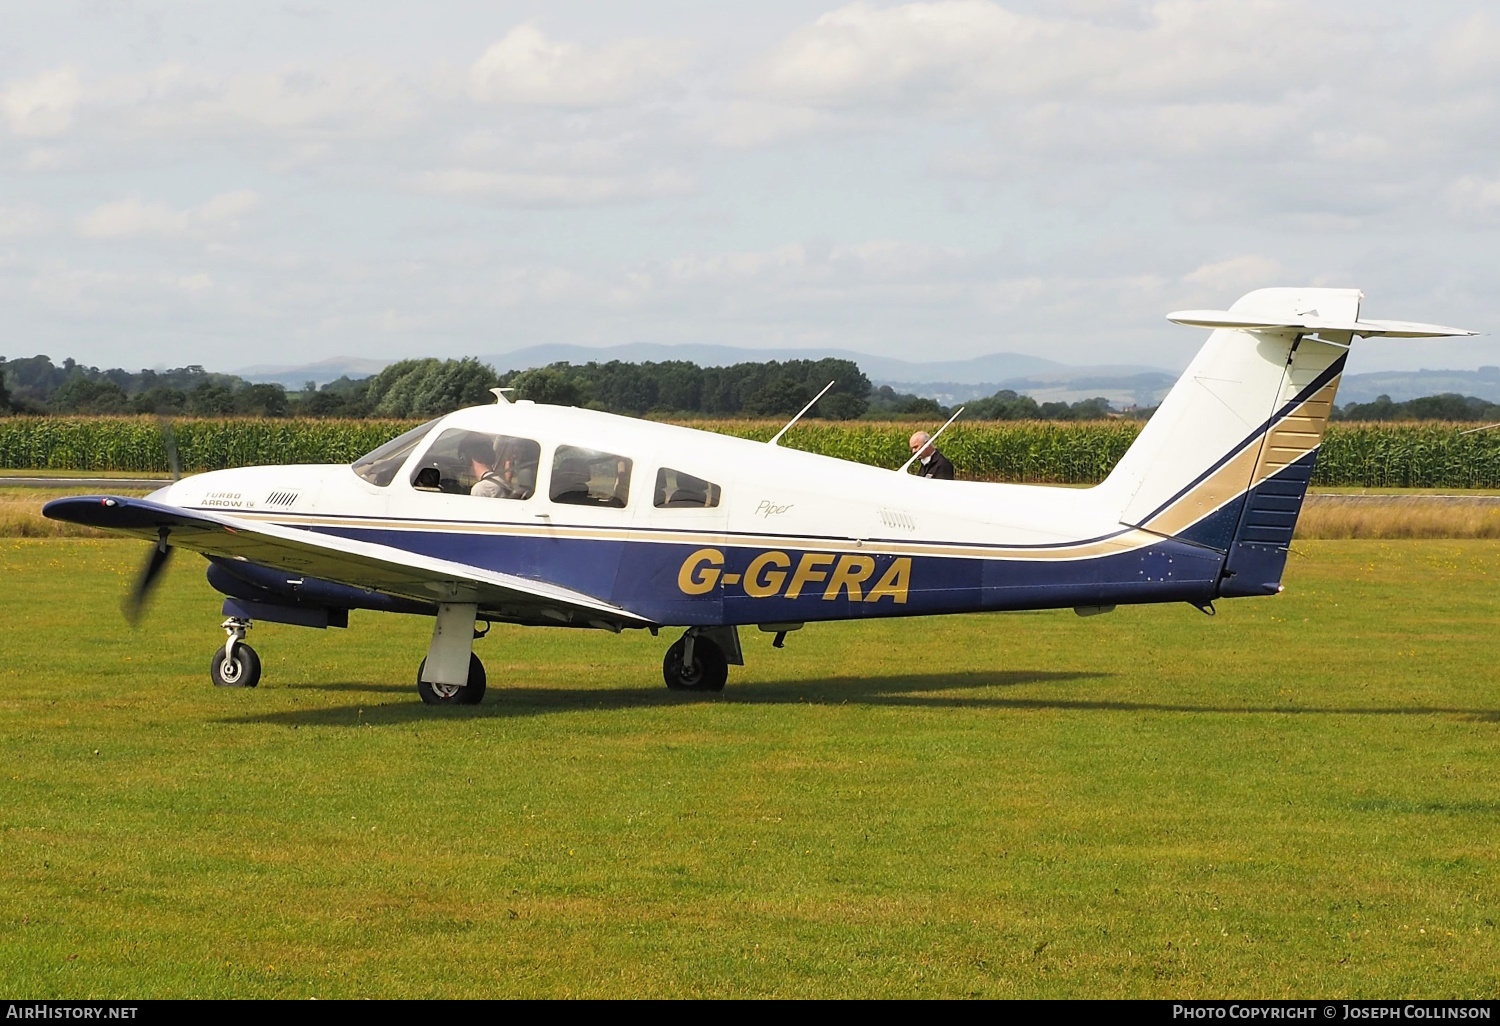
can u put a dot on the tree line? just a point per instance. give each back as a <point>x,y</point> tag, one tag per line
<point>429,387</point>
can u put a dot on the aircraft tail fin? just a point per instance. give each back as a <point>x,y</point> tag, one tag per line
<point>1226,460</point>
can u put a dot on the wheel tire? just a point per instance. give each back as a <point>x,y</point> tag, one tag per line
<point>243,672</point>
<point>709,671</point>
<point>471,693</point>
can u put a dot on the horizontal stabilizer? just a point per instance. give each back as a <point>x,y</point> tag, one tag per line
<point>1362,328</point>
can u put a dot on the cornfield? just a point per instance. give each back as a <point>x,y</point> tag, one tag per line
<point>138,443</point>
<point>1422,455</point>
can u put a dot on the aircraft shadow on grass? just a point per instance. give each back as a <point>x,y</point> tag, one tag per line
<point>917,690</point>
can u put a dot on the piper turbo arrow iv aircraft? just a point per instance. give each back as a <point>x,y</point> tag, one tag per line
<point>561,517</point>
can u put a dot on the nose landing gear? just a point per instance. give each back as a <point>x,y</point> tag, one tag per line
<point>235,665</point>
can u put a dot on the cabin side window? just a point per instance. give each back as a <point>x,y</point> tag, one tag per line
<point>588,477</point>
<point>479,463</point>
<point>379,466</point>
<point>678,490</point>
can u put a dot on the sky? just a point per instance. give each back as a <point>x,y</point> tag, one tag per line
<point>235,184</point>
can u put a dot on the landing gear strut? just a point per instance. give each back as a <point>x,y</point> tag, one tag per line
<point>694,663</point>
<point>235,665</point>
<point>441,679</point>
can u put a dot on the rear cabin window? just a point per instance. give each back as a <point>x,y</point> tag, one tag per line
<point>379,466</point>
<point>480,464</point>
<point>678,490</point>
<point>587,477</point>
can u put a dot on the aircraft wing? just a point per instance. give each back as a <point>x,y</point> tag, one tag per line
<point>359,564</point>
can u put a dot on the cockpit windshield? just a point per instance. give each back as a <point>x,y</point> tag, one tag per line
<point>379,466</point>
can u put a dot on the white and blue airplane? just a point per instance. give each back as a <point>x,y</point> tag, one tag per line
<point>553,516</point>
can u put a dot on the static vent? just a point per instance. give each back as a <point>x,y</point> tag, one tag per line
<point>281,498</point>
<point>900,521</point>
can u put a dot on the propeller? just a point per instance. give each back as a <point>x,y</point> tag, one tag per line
<point>135,602</point>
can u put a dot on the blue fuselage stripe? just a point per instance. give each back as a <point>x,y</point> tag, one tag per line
<point>649,578</point>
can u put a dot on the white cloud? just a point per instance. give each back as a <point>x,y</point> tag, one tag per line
<point>1473,195</point>
<point>22,220</point>
<point>135,218</point>
<point>1466,51</point>
<point>551,189</point>
<point>746,124</point>
<point>526,67</point>
<point>1229,279</point>
<point>962,51</point>
<point>44,105</point>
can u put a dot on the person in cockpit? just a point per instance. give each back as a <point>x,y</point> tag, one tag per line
<point>480,453</point>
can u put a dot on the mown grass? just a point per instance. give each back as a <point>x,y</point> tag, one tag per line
<point>1297,797</point>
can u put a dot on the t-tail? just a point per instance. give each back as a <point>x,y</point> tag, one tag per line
<point>1226,460</point>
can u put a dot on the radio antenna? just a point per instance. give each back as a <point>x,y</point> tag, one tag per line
<point>798,417</point>
<point>930,441</point>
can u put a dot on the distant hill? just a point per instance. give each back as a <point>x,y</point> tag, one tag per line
<point>1122,390</point>
<point>883,369</point>
<point>324,371</point>
<point>1483,383</point>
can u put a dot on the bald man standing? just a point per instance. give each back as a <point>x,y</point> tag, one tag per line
<point>930,463</point>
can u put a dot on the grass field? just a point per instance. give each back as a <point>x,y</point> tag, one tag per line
<point>1297,797</point>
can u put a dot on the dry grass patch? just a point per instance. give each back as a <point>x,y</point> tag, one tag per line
<point>1399,516</point>
<point>21,514</point>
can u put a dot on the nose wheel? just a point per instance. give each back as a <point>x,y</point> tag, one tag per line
<point>235,665</point>
<point>695,663</point>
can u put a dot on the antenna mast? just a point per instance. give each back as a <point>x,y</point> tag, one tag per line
<point>930,441</point>
<point>798,417</point>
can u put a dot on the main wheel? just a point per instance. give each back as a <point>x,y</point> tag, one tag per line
<point>708,671</point>
<point>243,671</point>
<point>451,694</point>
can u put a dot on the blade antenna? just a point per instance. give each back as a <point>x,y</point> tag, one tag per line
<point>798,417</point>
<point>930,441</point>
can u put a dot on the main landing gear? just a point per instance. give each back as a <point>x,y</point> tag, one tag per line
<point>453,694</point>
<point>235,665</point>
<point>452,674</point>
<point>695,663</point>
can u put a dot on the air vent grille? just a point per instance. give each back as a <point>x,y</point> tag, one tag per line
<point>900,521</point>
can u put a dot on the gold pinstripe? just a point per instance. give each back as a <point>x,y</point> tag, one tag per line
<point>1288,440</point>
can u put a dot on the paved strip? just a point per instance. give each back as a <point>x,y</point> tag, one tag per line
<point>83,482</point>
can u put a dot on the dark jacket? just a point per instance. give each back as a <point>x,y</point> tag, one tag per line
<point>938,467</point>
